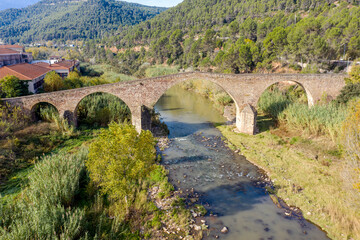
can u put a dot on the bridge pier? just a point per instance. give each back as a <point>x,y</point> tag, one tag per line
<point>141,118</point>
<point>246,119</point>
<point>70,116</point>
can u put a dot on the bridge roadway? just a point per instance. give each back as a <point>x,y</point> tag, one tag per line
<point>141,95</point>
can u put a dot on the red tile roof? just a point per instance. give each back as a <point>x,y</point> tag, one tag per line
<point>66,63</point>
<point>11,46</point>
<point>8,51</point>
<point>54,66</point>
<point>23,71</point>
<point>61,65</point>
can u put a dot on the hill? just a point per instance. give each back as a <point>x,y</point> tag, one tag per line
<point>70,20</point>
<point>236,36</point>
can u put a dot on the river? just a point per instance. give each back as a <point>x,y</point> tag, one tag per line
<point>229,186</point>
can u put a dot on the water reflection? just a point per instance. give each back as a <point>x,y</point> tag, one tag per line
<point>228,184</point>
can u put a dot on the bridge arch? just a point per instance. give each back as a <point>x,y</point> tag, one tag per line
<point>100,108</point>
<point>245,112</point>
<point>178,81</point>
<point>38,106</point>
<point>308,92</point>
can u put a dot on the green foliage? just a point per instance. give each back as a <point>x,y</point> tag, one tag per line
<point>53,82</point>
<point>349,92</point>
<point>354,75</point>
<point>156,71</point>
<point>70,20</point>
<point>288,107</point>
<point>11,86</point>
<point>273,102</point>
<point>99,109</point>
<point>11,118</point>
<point>233,37</point>
<point>317,120</point>
<point>118,161</point>
<point>46,202</point>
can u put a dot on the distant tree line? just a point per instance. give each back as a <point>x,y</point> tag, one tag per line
<point>70,20</point>
<point>237,36</point>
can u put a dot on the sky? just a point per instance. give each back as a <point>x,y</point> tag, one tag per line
<point>4,4</point>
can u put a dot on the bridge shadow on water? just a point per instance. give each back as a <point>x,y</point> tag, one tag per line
<point>229,199</point>
<point>180,129</point>
<point>190,159</point>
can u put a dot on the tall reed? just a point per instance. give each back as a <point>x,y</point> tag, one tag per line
<point>291,109</point>
<point>46,209</point>
<point>318,120</point>
<point>100,109</point>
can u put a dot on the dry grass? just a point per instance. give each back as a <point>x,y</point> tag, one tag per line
<point>315,169</point>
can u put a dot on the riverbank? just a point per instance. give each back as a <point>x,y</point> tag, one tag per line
<point>306,173</point>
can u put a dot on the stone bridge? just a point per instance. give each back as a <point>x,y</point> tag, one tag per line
<point>142,95</point>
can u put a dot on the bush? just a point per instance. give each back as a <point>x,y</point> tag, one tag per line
<point>118,161</point>
<point>290,108</point>
<point>11,118</point>
<point>317,120</point>
<point>46,209</point>
<point>100,109</point>
<point>53,82</point>
<point>11,86</point>
<point>349,92</point>
<point>273,102</point>
<point>354,76</point>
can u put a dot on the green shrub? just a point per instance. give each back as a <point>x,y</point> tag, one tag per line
<point>46,209</point>
<point>273,102</point>
<point>349,92</point>
<point>99,109</point>
<point>159,70</point>
<point>119,160</point>
<point>319,119</point>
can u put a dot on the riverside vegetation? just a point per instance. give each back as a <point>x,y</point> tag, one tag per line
<point>311,154</point>
<point>78,198</point>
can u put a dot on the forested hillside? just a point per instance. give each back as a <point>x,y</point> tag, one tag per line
<point>241,35</point>
<point>70,20</point>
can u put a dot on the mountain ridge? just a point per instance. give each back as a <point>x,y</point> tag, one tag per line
<point>70,20</point>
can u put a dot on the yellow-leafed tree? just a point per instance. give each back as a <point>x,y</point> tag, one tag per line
<point>118,161</point>
<point>53,82</point>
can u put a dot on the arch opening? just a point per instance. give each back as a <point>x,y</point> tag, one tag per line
<point>274,102</point>
<point>44,111</point>
<point>205,98</point>
<point>99,109</point>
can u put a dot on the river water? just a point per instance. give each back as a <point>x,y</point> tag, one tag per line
<point>228,185</point>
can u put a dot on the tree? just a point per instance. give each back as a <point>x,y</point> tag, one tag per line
<point>53,82</point>
<point>73,80</point>
<point>354,75</point>
<point>175,41</point>
<point>275,42</point>
<point>208,42</point>
<point>119,159</point>
<point>11,86</point>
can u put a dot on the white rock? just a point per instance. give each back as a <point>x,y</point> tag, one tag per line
<point>197,228</point>
<point>225,230</point>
